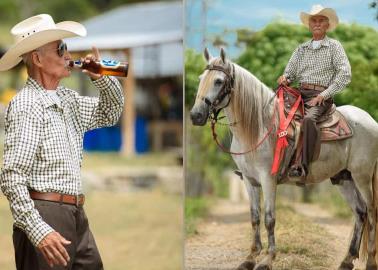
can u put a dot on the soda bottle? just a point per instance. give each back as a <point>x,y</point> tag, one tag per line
<point>103,67</point>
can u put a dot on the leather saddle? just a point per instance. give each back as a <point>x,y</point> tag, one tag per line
<point>333,125</point>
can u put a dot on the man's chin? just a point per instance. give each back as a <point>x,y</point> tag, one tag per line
<point>67,73</point>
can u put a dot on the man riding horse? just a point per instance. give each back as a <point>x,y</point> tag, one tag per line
<point>322,69</point>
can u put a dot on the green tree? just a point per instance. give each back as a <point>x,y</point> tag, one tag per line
<point>268,51</point>
<point>194,65</point>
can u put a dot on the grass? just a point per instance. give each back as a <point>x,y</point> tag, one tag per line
<point>93,160</point>
<point>141,230</point>
<point>331,200</point>
<point>300,243</point>
<point>195,209</point>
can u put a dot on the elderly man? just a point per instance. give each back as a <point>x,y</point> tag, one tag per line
<point>44,128</point>
<point>322,69</point>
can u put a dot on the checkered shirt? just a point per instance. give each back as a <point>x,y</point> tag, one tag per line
<point>327,65</point>
<point>43,144</point>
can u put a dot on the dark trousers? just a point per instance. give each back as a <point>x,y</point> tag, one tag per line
<point>72,223</point>
<point>311,133</point>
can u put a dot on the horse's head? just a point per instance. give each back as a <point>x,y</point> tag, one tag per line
<point>214,90</point>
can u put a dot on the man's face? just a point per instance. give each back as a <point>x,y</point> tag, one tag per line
<point>318,25</point>
<point>51,63</point>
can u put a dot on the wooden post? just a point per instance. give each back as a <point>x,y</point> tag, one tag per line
<point>128,117</point>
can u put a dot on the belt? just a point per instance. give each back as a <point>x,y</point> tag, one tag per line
<point>77,200</point>
<point>309,86</point>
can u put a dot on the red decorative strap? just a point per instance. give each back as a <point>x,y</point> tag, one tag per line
<point>284,123</point>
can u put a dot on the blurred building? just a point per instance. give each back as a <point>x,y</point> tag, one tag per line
<point>149,36</point>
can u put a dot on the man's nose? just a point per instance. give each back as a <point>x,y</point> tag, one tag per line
<point>67,55</point>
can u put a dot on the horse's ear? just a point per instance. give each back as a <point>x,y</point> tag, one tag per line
<point>223,55</point>
<point>207,55</point>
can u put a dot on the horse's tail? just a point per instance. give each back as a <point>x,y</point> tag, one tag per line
<point>365,237</point>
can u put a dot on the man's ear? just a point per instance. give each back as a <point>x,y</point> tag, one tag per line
<point>35,59</point>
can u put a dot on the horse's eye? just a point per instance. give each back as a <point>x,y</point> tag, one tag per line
<point>218,82</point>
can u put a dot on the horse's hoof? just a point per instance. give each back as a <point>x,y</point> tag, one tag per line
<point>253,255</point>
<point>346,266</point>
<point>263,267</point>
<point>247,265</point>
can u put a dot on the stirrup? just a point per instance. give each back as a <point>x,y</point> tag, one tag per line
<point>298,171</point>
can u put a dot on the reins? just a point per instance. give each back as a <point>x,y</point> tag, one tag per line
<point>215,136</point>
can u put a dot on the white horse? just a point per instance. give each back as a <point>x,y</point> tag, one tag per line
<point>247,103</point>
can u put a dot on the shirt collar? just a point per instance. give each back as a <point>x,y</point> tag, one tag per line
<point>46,99</point>
<point>325,42</point>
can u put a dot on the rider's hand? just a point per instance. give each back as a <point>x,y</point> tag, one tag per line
<point>52,248</point>
<point>282,80</point>
<point>92,57</point>
<point>316,101</point>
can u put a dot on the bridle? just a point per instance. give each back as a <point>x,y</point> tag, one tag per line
<point>225,91</point>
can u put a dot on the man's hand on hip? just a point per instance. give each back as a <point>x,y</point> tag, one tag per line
<point>92,57</point>
<point>53,250</point>
<point>316,101</point>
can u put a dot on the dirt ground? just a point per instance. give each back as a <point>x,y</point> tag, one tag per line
<point>307,237</point>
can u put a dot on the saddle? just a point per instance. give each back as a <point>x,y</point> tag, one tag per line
<point>332,123</point>
<point>333,126</point>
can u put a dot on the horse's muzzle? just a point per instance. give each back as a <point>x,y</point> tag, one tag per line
<point>198,118</point>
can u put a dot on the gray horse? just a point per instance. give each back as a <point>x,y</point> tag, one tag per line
<point>247,102</point>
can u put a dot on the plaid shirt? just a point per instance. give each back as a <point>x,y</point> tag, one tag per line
<point>43,144</point>
<point>327,66</point>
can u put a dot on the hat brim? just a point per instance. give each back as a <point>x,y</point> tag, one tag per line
<point>327,12</point>
<point>63,30</point>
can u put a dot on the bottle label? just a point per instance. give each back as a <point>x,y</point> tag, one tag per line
<point>110,63</point>
<point>78,63</point>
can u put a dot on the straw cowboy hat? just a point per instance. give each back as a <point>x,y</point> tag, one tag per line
<point>320,10</point>
<point>35,32</point>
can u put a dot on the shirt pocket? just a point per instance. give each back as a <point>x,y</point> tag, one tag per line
<point>54,142</point>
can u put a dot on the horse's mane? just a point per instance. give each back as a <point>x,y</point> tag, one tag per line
<point>249,107</point>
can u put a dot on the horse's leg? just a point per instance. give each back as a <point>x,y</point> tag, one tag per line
<point>363,182</point>
<point>269,187</point>
<point>254,200</point>
<point>352,196</point>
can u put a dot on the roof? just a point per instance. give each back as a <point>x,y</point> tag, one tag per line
<point>133,26</point>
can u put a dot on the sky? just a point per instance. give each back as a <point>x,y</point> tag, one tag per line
<point>255,14</point>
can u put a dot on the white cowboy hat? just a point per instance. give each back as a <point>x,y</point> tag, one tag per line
<point>320,10</point>
<point>35,32</point>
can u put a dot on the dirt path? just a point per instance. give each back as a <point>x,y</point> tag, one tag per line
<point>307,236</point>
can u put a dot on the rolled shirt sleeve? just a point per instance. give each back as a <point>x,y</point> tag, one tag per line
<point>343,72</point>
<point>104,110</point>
<point>23,131</point>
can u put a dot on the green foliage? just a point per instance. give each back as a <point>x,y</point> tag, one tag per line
<point>12,11</point>
<point>195,208</point>
<point>194,65</point>
<point>64,10</point>
<point>8,11</point>
<point>205,158</point>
